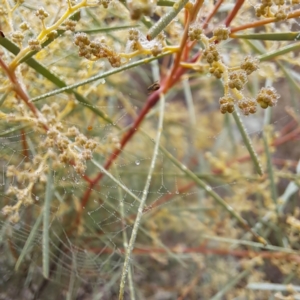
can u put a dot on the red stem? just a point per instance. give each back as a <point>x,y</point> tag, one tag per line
<point>233,13</point>
<point>17,87</point>
<point>214,11</point>
<point>288,127</point>
<point>294,14</point>
<point>206,250</point>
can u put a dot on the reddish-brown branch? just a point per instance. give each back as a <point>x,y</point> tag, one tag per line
<point>288,127</point>
<point>205,250</point>
<point>191,44</point>
<point>288,137</point>
<point>233,13</point>
<point>291,15</point>
<point>197,6</point>
<point>214,11</point>
<point>182,46</point>
<point>17,87</point>
<point>87,179</point>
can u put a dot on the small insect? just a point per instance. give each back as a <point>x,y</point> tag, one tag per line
<point>90,128</point>
<point>153,87</point>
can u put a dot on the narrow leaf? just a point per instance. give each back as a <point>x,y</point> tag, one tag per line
<point>29,241</point>
<point>97,77</point>
<point>165,3</point>
<point>53,78</point>
<point>12,130</point>
<point>46,216</point>
<point>232,283</point>
<point>163,22</point>
<point>107,29</point>
<point>271,173</point>
<point>290,48</point>
<point>277,36</point>
<point>248,143</point>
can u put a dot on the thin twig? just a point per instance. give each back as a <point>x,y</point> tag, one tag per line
<point>143,200</point>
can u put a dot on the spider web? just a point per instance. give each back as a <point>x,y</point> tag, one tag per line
<point>92,250</point>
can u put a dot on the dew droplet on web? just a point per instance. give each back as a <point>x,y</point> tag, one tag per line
<point>137,162</point>
<point>208,188</point>
<point>37,198</point>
